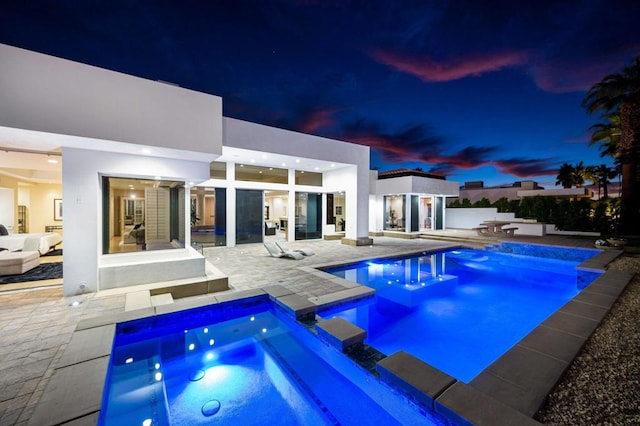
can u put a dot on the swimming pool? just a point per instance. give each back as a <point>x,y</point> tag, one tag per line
<point>245,363</point>
<point>459,310</point>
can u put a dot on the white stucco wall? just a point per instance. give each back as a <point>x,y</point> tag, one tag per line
<point>48,94</point>
<point>81,175</point>
<point>467,218</point>
<point>347,179</point>
<point>424,185</point>
<point>416,185</point>
<point>352,178</point>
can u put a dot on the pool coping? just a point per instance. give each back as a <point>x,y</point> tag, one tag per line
<point>519,382</point>
<point>510,390</point>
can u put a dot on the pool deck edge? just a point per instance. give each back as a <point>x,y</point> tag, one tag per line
<point>523,377</point>
<point>513,388</point>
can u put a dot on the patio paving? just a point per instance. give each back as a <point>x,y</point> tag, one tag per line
<point>36,325</point>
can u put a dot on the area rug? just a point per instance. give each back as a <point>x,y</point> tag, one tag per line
<point>45,271</point>
<point>56,252</point>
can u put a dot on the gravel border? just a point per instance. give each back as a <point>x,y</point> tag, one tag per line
<point>602,385</point>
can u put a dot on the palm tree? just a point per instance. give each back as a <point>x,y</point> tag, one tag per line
<point>620,93</point>
<point>591,173</point>
<point>579,174</point>
<point>607,135</point>
<point>605,174</point>
<point>565,176</point>
<point>601,175</point>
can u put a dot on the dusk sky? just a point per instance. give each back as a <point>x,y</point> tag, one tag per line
<point>477,90</point>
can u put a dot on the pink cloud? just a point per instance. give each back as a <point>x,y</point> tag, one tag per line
<point>524,168</point>
<point>585,138</point>
<point>558,75</point>
<point>417,144</point>
<point>392,150</point>
<point>317,120</point>
<point>428,69</point>
<point>554,75</point>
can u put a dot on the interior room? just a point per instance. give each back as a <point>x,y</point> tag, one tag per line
<point>394,209</point>
<point>143,214</point>
<point>31,215</point>
<point>336,212</point>
<point>276,218</point>
<point>30,191</point>
<point>208,216</point>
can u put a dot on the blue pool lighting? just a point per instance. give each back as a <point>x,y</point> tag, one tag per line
<point>469,307</point>
<point>263,369</point>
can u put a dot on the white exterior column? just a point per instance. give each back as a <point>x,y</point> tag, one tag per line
<point>231,204</point>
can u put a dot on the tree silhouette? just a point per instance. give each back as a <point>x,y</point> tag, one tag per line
<point>565,176</point>
<point>620,94</point>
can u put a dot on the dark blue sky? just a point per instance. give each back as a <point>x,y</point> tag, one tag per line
<point>477,90</point>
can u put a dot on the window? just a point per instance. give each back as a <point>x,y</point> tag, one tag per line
<point>245,172</point>
<point>308,178</point>
<point>394,207</point>
<point>208,216</point>
<point>218,170</point>
<point>142,214</point>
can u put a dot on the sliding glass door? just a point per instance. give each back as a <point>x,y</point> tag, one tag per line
<point>249,216</point>
<point>308,219</point>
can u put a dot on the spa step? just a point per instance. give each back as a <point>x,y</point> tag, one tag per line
<point>162,299</point>
<point>213,282</point>
<point>190,286</point>
<point>137,300</point>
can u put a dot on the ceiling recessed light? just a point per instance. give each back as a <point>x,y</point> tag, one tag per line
<point>157,178</point>
<point>284,164</point>
<point>145,151</point>
<point>253,161</point>
<point>297,160</point>
<point>317,168</point>
<point>333,165</point>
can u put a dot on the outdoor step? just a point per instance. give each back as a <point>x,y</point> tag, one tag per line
<point>214,281</point>
<point>137,300</point>
<point>162,299</point>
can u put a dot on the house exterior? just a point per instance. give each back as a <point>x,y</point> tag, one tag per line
<point>476,191</point>
<point>145,163</point>
<point>409,201</point>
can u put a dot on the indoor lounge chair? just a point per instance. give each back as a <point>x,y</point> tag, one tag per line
<point>282,245</point>
<point>276,251</point>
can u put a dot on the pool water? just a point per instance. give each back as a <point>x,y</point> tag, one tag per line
<point>458,310</point>
<point>245,364</point>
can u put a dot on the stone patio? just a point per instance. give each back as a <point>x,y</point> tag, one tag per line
<point>37,325</point>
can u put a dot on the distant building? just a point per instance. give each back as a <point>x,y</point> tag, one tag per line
<point>475,191</point>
